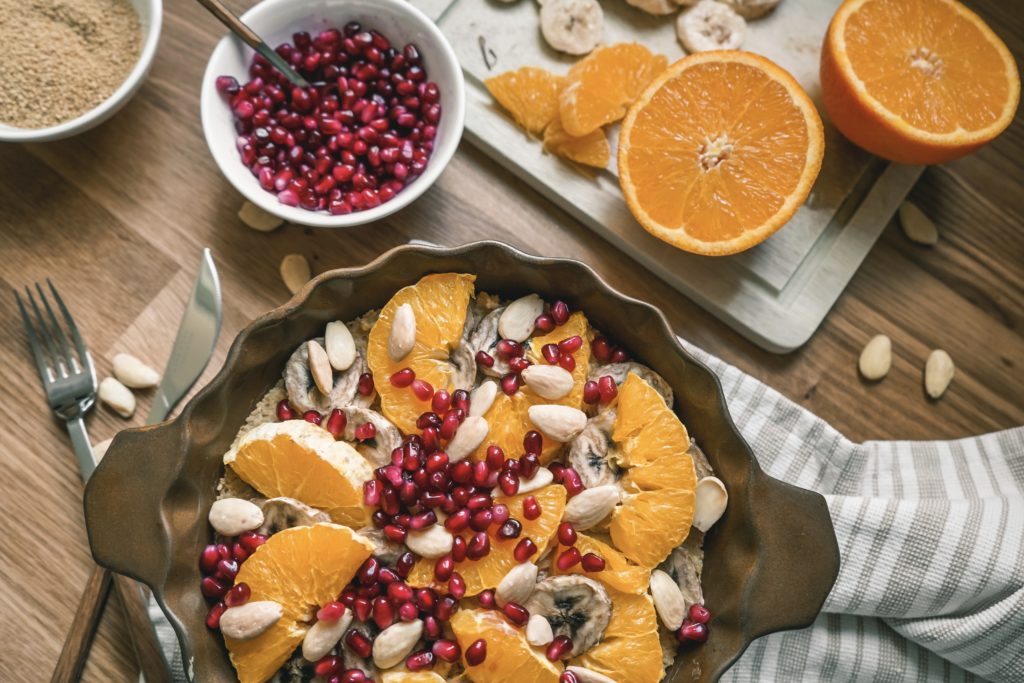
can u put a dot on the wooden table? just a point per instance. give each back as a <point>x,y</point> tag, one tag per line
<point>118,216</point>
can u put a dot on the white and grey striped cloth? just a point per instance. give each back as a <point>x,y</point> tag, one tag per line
<point>931,583</point>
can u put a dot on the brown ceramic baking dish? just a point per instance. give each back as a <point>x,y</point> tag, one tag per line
<point>769,562</point>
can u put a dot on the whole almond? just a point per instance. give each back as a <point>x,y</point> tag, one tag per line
<point>322,636</point>
<point>295,272</point>
<point>250,620</point>
<point>560,423</point>
<point>133,373</point>
<point>710,501</point>
<point>938,373</point>
<point>395,642</point>
<point>876,358</point>
<point>516,321</point>
<point>588,508</point>
<point>257,218</point>
<point>339,345</point>
<point>538,631</point>
<point>100,449</point>
<point>517,585</point>
<point>320,367</point>
<point>470,434</point>
<point>403,333</point>
<point>548,381</point>
<point>116,395</point>
<point>917,226</point>
<point>232,516</point>
<point>668,599</point>
<point>433,542</point>
<point>584,675</point>
<point>542,478</point>
<point>482,398</point>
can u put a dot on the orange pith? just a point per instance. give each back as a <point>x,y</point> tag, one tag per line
<point>439,304</point>
<point>590,150</point>
<point>510,659</point>
<point>301,569</point>
<point>630,649</point>
<point>530,95</point>
<point>487,572</point>
<point>660,478</point>
<point>618,573</point>
<point>719,152</point>
<point>917,81</point>
<point>603,84</point>
<point>300,460</point>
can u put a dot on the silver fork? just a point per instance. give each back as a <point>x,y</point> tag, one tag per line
<point>69,380</point>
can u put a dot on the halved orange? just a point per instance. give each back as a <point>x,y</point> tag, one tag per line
<point>618,573</point>
<point>600,87</point>
<point>719,152</point>
<point>297,459</point>
<point>529,94</point>
<point>487,572</point>
<point>631,648</point>
<point>510,659</point>
<point>301,569</point>
<point>917,81</point>
<point>439,305</point>
<point>660,480</point>
<point>591,149</point>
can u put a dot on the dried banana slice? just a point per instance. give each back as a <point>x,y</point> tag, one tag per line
<point>751,9</point>
<point>377,450</point>
<point>655,6</point>
<point>593,453</point>
<point>572,26</point>
<point>284,513</point>
<point>302,391</point>
<point>620,371</point>
<point>575,606</point>
<point>710,25</point>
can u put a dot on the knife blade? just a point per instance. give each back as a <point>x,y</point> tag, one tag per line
<point>193,347</point>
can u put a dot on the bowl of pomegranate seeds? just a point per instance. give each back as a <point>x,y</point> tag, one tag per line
<point>381,119</point>
<point>462,463</point>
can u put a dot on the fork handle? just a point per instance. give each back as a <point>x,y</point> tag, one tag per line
<point>83,449</point>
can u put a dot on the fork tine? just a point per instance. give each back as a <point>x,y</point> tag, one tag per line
<point>33,342</point>
<point>62,337</point>
<point>47,337</point>
<point>83,352</point>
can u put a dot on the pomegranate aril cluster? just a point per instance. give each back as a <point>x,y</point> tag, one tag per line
<point>363,131</point>
<point>219,564</point>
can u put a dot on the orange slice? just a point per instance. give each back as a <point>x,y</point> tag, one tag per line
<point>660,478</point>
<point>508,418</point>
<point>529,94</point>
<point>510,659</point>
<point>630,649</point>
<point>297,459</point>
<point>300,569</point>
<point>719,152</point>
<point>412,677</point>
<point>618,572</point>
<point>917,81</point>
<point>590,150</point>
<point>603,84</point>
<point>439,305</point>
<point>487,572</point>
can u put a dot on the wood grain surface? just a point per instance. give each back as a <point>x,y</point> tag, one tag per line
<point>117,217</point>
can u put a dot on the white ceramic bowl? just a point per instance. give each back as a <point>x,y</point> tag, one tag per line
<point>275,21</point>
<point>150,17</point>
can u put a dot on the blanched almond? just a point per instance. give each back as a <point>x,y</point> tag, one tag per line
<point>589,507</point>
<point>482,398</point>
<point>470,434</point>
<point>258,219</point>
<point>295,272</point>
<point>232,516</point>
<point>320,367</point>
<point>340,347</point>
<point>516,321</point>
<point>584,675</point>
<point>548,381</point>
<point>938,373</point>
<point>250,620</point>
<point>323,636</point>
<point>116,395</point>
<point>542,478</point>
<point>917,226</point>
<point>560,423</point>
<point>433,542</point>
<point>876,358</point>
<point>711,501</point>
<point>133,373</point>
<point>538,631</point>
<point>517,584</point>
<point>668,599</point>
<point>403,333</point>
<point>395,642</point>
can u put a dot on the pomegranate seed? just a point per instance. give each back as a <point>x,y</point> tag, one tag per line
<point>592,562</point>
<point>239,553</point>
<point>510,383</point>
<point>619,356</point>
<point>418,661</point>
<point>528,465</point>
<point>399,592</point>
<point>383,612</point>
<point>544,322</point>
<point>312,416</point>
<point>441,401</point>
<point>422,389</point>
<point>460,400</point>
<point>251,540</point>
<point>431,627</point>
<point>443,568</point>
<point>359,643</point>
<point>568,677</point>
<point>365,384</point>
<point>379,517</point>
<point>572,482</point>
<point>516,613</point>
<point>386,576</point>
<point>692,631</point>
<point>431,439</point>
<point>533,442</point>
<point>213,588</point>
<point>336,422</point>
<point>284,411</point>
<point>460,494</point>
<point>352,676</point>
<point>408,612</point>
<point>531,508</point>
<point>404,564</point>
<point>568,559</point>
<point>567,362</point>
<point>566,534</point>
<point>506,348</point>
<point>428,419</point>
<point>591,395</point>
<point>371,492</point>
<point>446,608</point>
<point>560,312</point>
<point>607,389</point>
<point>571,344</point>
<point>524,550</point>
<point>479,501</point>
<point>478,546</point>
<point>395,533</point>
<point>449,425</point>
<point>332,611</point>
<point>601,349</point>
<point>458,521</point>
<point>559,648</point>
<point>699,613</point>
<point>227,570</point>
<point>362,608</point>
<point>227,85</point>
<point>208,559</point>
<point>519,364</point>
<point>423,520</point>
<point>557,470</point>
<point>480,520</point>
<point>550,353</point>
<point>476,653</point>
<point>485,359</point>
<point>213,616</point>
<point>447,650</point>
<point>425,598</point>
<point>366,431</point>
<point>461,472</point>
<point>510,529</point>
<point>403,378</point>
<point>495,457</point>
<point>481,473</point>
<point>328,666</point>
<point>459,549</point>
<point>456,586</point>
<point>238,594</point>
<point>501,513</point>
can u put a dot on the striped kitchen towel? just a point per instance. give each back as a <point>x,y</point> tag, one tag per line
<point>931,536</point>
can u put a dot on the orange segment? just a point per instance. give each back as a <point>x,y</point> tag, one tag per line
<point>630,649</point>
<point>510,659</point>
<point>618,573</point>
<point>300,569</point>
<point>487,572</point>
<point>529,94</point>
<point>917,81</point>
<point>590,150</point>
<point>603,84</point>
<point>411,677</point>
<point>660,478</point>
<point>439,304</point>
<point>719,152</point>
<point>299,460</point>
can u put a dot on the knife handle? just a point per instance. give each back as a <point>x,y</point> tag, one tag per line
<point>83,628</point>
